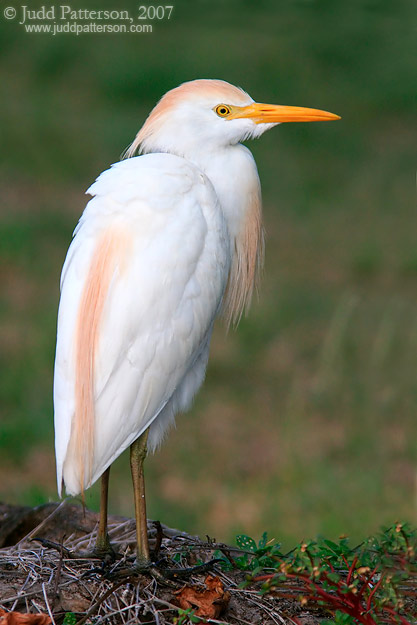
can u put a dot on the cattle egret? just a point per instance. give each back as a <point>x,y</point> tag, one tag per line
<point>169,240</point>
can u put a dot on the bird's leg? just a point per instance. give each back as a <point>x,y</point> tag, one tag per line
<point>103,549</point>
<point>138,451</point>
<point>103,546</point>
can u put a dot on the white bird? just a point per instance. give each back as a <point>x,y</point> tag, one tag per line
<point>169,240</point>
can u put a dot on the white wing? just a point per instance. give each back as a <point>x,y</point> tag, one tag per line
<point>141,285</point>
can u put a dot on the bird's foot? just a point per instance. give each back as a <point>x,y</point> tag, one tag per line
<point>103,551</point>
<point>172,577</point>
<point>178,574</point>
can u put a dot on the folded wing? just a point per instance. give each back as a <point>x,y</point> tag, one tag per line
<point>142,283</point>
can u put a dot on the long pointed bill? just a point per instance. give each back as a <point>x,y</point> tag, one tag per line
<point>276,114</point>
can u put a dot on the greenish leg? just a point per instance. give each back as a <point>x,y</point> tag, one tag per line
<point>103,546</point>
<point>138,451</point>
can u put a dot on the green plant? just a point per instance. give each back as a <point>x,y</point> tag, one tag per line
<point>185,617</point>
<point>364,584</point>
<point>253,557</point>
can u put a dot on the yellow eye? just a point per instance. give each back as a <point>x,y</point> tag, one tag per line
<point>222,110</point>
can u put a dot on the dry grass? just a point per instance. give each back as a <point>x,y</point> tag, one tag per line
<point>35,578</point>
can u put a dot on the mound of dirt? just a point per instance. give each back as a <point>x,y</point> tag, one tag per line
<point>43,571</point>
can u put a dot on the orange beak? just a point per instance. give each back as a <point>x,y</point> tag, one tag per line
<point>273,113</point>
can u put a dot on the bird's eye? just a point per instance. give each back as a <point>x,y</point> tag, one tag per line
<point>222,110</point>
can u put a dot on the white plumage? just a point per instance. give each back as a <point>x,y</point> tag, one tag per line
<point>168,240</point>
<point>159,310</point>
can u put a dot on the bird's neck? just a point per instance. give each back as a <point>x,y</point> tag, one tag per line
<point>235,179</point>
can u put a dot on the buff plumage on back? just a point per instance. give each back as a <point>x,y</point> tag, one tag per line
<point>106,257</point>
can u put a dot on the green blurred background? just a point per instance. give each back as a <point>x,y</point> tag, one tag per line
<point>306,422</point>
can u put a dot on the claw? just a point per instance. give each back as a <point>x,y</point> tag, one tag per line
<point>103,552</point>
<point>171,577</point>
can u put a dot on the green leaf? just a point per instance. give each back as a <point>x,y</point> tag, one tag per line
<point>333,546</point>
<point>263,540</point>
<point>246,542</point>
<point>333,577</point>
<point>177,557</point>
<point>70,619</point>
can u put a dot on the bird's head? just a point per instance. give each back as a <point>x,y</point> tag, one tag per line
<point>211,114</point>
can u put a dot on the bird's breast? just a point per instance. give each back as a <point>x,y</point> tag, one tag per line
<point>235,179</point>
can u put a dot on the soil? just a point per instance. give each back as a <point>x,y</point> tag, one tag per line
<point>39,573</point>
